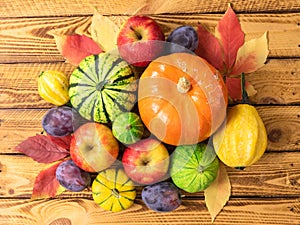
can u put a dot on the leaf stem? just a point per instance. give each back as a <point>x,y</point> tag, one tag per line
<point>245,99</point>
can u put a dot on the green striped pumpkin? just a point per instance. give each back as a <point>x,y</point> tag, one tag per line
<point>194,167</point>
<point>128,128</point>
<point>102,86</point>
<point>113,190</point>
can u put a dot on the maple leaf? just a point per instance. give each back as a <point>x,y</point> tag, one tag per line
<point>251,56</point>
<point>46,185</point>
<point>209,48</point>
<point>218,193</point>
<point>41,149</point>
<point>104,31</point>
<point>238,56</point>
<point>231,36</point>
<point>234,88</point>
<point>76,47</point>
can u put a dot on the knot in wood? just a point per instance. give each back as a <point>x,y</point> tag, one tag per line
<point>275,135</point>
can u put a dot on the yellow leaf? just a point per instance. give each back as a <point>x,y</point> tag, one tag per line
<point>218,193</point>
<point>251,56</point>
<point>104,31</point>
<point>251,91</point>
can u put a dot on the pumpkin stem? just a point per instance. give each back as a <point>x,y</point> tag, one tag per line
<point>115,193</point>
<point>183,85</point>
<point>41,74</point>
<point>240,168</point>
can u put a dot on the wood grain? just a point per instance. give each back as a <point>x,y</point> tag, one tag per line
<point>29,8</point>
<point>267,192</point>
<point>278,82</point>
<point>272,211</point>
<point>282,124</point>
<point>17,175</point>
<point>18,84</point>
<point>30,39</point>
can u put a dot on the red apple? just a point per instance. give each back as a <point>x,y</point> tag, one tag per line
<point>93,147</point>
<point>146,162</point>
<point>140,40</point>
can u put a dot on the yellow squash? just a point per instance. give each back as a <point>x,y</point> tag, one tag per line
<point>113,190</point>
<point>53,87</point>
<point>242,139</point>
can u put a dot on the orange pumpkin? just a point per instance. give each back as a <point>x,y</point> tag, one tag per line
<point>182,99</point>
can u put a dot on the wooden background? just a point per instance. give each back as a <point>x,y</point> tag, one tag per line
<point>265,193</point>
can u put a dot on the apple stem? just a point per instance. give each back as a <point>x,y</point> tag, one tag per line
<point>138,35</point>
<point>183,85</point>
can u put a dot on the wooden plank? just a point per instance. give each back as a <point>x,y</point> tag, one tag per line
<point>282,124</point>
<point>283,127</point>
<point>18,84</point>
<point>23,8</point>
<point>275,174</point>
<point>278,82</point>
<point>84,211</point>
<point>29,39</point>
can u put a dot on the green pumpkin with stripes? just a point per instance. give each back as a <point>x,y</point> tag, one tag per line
<point>113,190</point>
<point>128,128</point>
<point>194,167</point>
<point>102,86</point>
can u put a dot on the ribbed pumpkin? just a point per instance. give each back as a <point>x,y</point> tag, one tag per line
<point>53,87</point>
<point>102,86</point>
<point>182,99</point>
<point>194,167</point>
<point>242,140</point>
<point>128,128</point>
<point>112,190</point>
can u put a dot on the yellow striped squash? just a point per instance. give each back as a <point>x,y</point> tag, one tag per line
<point>53,87</point>
<point>113,190</point>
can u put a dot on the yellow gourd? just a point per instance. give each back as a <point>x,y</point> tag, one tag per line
<point>113,190</point>
<point>242,139</point>
<point>53,87</point>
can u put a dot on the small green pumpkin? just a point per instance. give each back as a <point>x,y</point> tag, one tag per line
<point>113,190</point>
<point>102,87</point>
<point>128,128</point>
<point>194,167</point>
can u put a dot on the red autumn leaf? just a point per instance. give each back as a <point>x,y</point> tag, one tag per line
<point>46,184</point>
<point>41,149</point>
<point>76,47</point>
<point>230,33</point>
<point>234,88</point>
<point>251,56</point>
<point>209,48</point>
<point>63,141</point>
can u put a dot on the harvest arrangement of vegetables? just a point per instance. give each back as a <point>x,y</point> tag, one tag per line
<point>143,108</point>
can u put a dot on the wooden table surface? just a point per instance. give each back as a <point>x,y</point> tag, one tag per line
<point>266,193</point>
